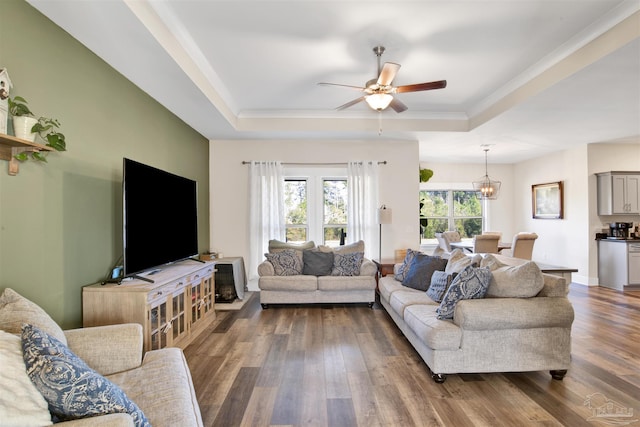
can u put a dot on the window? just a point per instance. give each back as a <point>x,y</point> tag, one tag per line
<point>334,201</point>
<point>442,210</point>
<point>315,208</point>
<point>295,207</point>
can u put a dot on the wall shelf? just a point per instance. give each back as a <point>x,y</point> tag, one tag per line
<point>10,146</point>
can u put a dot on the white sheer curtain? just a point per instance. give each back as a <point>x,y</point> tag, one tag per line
<point>266,210</point>
<point>362,183</point>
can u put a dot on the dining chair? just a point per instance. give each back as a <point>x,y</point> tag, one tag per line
<point>486,243</point>
<point>498,233</point>
<point>522,245</point>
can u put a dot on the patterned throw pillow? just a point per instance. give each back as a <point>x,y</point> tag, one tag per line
<point>406,264</point>
<point>440,282</point>
<point>347,264</point>
<point>317,263</point>
<point>470,283</point>
<point>285,263</point>
<point>422,268</point>
<point>71,388</point>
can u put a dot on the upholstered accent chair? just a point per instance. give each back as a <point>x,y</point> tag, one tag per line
<point>522,245</point>
<point>486,243</point>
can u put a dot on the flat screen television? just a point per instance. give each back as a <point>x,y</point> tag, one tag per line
<point>160,217</point>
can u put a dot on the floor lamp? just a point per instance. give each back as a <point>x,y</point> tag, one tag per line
<point>384,217</point>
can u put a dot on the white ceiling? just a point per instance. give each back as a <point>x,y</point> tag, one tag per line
<point>528,77</point>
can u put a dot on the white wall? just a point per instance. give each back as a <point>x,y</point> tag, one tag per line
<point>563,242</point>
<point>229,185</point>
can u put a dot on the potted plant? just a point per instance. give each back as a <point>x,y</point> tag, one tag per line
<point>23,119</point>
<point>46,127</point>
<point>425,175</point>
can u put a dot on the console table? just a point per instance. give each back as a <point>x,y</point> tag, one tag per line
<point>172,310</point>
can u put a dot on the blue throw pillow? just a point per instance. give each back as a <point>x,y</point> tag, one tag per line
<point>286,262</point>
<point>406,264</point>
<point>440,282</point>
<point>470,283</point>
<point>421,270</point>
<point>347,264</point>
<point>71,388</point>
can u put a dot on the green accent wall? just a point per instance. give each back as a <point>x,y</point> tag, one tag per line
<point>61,222</point>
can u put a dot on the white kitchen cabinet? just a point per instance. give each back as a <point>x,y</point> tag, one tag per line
<point>618,264</point>
<point>618,193</point>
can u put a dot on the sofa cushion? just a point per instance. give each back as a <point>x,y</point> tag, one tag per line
<point>435,333</point>
<point>21,404</point>
<point>421,270</point>
<point>388,285</point>
<point>402,299</point>
<point>440,282</point>
<point>458,261</point>
<point>71,388</point>
<point>403,268</point>
<point>285,262</point>
<point>16,310</point>
<point>317,263</point>
<point>470,283</point>
<point>351,248</point>
<point>343,283</point>
<point>517,281</point>
<point>347,264</point>
<point>288,283</point>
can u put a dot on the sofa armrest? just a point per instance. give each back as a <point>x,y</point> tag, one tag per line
<point>368,268</point>
<point>110,420</point>
<point>513,313</point>
<point>265,268</point>
<point>108,349</point>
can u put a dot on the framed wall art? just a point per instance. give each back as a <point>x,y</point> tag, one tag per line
<point>547,200</point>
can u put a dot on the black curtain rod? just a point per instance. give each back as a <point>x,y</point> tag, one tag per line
<point>384,162</point>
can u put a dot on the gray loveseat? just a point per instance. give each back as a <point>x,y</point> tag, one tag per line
<point>511,333</point>
<point>311,274</point>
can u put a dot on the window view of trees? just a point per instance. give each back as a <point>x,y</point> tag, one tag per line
<point>335,210</point>
<point>295,206</point>
<point>449,210</point>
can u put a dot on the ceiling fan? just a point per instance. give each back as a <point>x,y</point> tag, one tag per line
<point>379,92</point>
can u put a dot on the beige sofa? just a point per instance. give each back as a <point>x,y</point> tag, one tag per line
<point>158,382</point>
<point>490,334</point>
<point>307,288</point>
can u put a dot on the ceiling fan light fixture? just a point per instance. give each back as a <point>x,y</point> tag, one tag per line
<point>378,101</point>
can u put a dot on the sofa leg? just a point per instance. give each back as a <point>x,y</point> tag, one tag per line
<point>371,304</point>
<point>558,374</point>
<point>438,378</point>
<point>264,306</point>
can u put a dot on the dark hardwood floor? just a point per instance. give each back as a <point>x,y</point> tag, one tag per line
<point>348,365</point>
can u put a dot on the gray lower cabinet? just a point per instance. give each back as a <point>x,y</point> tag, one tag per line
<point>617,265</point>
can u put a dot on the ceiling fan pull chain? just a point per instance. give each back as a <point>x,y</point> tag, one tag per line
<point>379,123</point>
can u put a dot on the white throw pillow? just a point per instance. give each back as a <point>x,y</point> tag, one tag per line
<point>517,281</point>
<point>20,402</point>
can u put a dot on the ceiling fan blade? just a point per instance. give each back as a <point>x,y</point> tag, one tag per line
<point>337,84</point>
<point>350,103</point>
<point>397,105</point>
<point>388,73</point>
<point>440,84</point>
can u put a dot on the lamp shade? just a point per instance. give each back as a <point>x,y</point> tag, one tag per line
<point>379,101</point>
<point>384,215</point>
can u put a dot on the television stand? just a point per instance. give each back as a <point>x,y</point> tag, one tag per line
<point>173,309</point>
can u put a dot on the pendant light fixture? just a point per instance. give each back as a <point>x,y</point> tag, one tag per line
<point>488,188</point>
